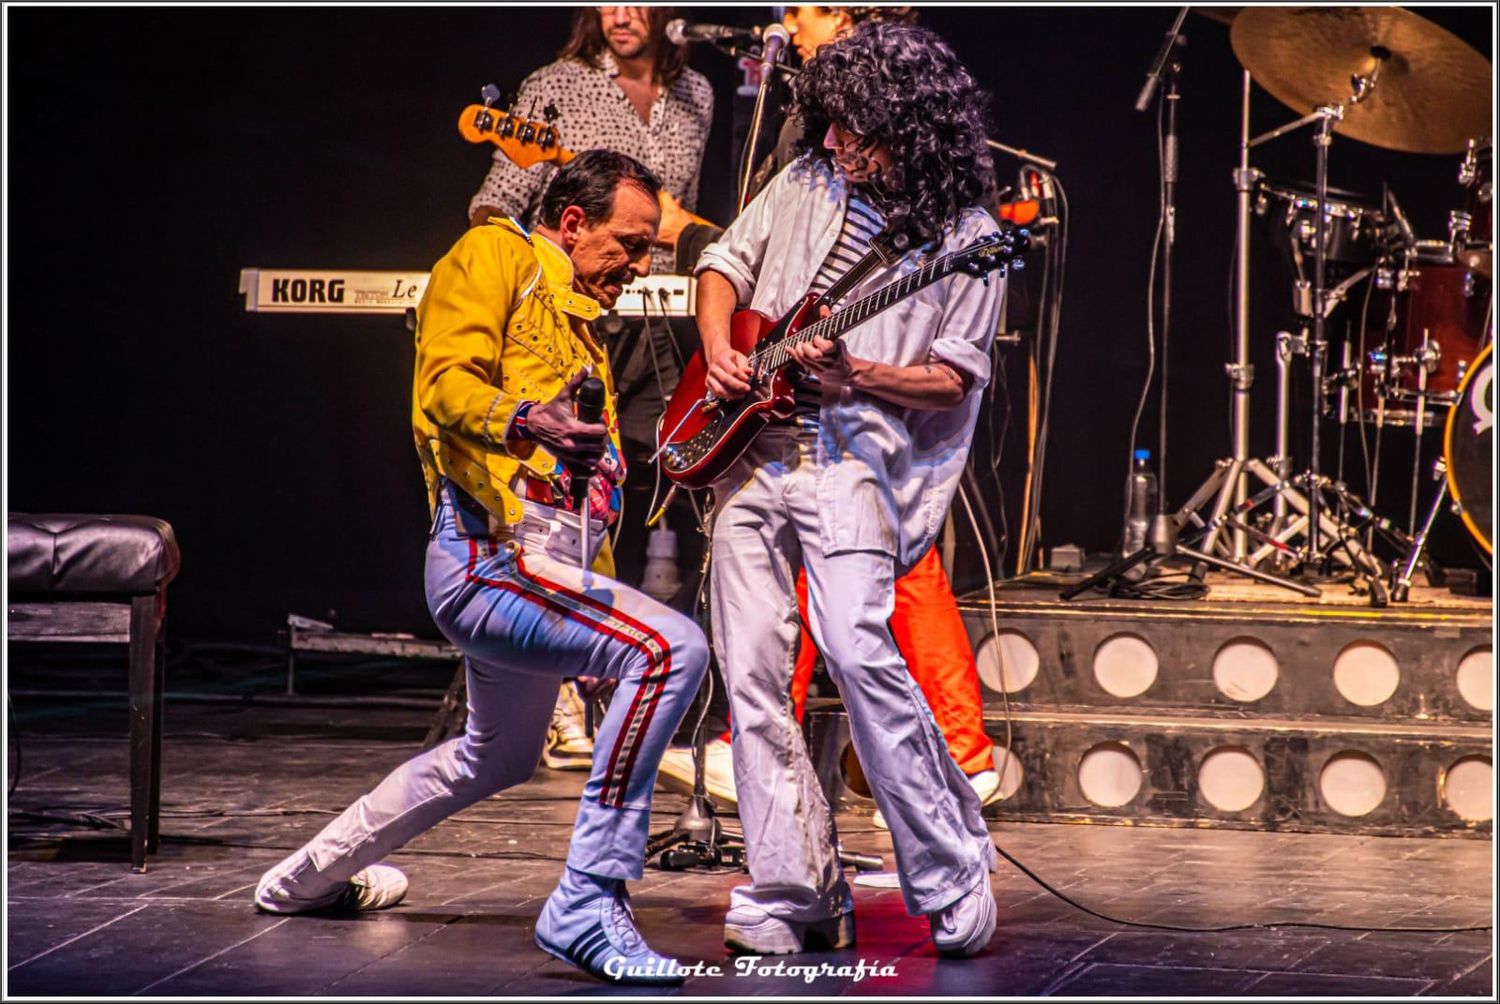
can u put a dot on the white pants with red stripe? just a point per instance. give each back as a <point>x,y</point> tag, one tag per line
<point>521,609</point>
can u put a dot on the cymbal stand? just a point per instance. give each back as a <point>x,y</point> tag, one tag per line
<point>1226,486</point>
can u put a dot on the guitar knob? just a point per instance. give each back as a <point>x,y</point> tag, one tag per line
<point>490,94</point>
<point>1018,265</point>
<point>550,113</point>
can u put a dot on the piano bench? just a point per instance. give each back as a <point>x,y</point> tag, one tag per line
<point>90,578</point>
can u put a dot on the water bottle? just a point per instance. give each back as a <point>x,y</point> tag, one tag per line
<point>1142,502</point>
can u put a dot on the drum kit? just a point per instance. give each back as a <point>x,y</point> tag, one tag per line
<point>1415,313</point>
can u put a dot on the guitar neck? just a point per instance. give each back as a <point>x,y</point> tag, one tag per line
<point>836,324</point>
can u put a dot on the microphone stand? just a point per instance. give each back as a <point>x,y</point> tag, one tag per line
<point>773,41</point>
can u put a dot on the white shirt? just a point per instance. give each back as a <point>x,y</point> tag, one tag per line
<point>887,474</point>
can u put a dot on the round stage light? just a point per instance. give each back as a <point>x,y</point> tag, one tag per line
<point>1366,673</point>
<point>1008,766</point>
<point>1476,683</point>
<point>1007,662</point>
<point>1231,779</point>
<point>1125,665</point>
<point>1468,788</point>
<point>1352,783</point>
<point>1110,775</point>
<point>1245,669</point>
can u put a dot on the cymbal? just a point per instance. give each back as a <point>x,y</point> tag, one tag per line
<point>1432,92</point>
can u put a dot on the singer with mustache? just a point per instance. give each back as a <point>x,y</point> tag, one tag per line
<point>503,341</point>
<point>853,488</point>
<point>619,84</point>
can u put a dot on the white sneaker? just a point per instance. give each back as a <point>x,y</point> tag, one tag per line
<point>568,744</point>
<point>372,888</point>
<point>966,925</point>
<point>986,785</point>
<point>751,929</point>
<point>676,771</point>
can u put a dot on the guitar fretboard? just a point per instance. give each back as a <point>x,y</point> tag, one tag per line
<point>779,354</point>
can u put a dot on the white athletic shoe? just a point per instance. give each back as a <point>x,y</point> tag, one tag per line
<point>986,785</point>
<point>752,930</point>
<point>676,771</point>
<point>372,888</point>
<point>965,926</point>
<point>568,744</point>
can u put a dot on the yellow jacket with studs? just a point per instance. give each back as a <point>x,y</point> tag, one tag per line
<point>499,324</point>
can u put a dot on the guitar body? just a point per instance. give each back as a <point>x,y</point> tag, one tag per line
<point>699,443</point>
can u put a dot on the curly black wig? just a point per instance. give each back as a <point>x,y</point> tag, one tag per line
<point>900,84</point>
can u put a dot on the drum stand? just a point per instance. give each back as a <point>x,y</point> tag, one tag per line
<point>1318,518</point>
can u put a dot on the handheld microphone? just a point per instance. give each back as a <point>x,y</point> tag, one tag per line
<point>680,32</point>
<point>588,407</point>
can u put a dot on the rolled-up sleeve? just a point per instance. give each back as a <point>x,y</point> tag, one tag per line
<point>739,251</point>
<point>971,314</point>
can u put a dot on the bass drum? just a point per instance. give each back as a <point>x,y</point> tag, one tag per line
<point>1468,447</point>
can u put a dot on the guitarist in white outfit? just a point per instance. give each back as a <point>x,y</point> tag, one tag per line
<point>854,487</point>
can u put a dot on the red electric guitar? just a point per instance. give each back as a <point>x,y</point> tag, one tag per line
<point>700,436</point>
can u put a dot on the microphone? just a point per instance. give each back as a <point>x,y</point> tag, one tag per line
<point>588,408</point>
<point>773,38</point>
<point>680,32</point>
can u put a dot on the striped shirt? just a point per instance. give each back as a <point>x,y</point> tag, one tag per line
<point>861,223</point>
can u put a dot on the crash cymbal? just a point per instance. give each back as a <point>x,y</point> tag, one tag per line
<point>1431,94</point>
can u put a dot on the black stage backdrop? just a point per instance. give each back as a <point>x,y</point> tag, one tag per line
<point>154,152</point>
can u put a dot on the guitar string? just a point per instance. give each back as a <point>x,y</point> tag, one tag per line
<point>778,355</point>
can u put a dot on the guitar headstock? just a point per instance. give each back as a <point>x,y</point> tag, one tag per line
<point>525,141</point>
<point>1002,250</point>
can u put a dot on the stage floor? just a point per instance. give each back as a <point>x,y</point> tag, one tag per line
<point>246,783</point>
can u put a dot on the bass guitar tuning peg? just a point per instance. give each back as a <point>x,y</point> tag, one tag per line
<point>490,93</point>
<point>550,113</point>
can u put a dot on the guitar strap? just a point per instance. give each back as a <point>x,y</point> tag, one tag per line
<point>886,248</point>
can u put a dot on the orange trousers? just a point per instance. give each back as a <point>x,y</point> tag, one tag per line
<point>932,640</point>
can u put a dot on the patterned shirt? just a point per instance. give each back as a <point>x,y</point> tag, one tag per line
<point>592,113</point>
<point>862,222</point>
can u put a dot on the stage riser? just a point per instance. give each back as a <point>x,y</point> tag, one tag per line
<point>1416,664</point>
<point>1301,767</point>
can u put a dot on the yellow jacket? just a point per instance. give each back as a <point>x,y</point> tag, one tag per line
<point>499,324</point>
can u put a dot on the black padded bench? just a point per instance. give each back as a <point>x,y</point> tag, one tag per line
<point>87,578</point>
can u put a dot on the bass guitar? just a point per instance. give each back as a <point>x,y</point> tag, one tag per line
<point>528,142</point>
<point>704,435</point>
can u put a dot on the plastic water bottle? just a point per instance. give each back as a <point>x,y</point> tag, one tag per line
<point>1142,502</point>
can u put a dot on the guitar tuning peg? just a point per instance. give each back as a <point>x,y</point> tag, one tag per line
<point>1019,264</point>
<point>550,113</point>
<point>490,93</point>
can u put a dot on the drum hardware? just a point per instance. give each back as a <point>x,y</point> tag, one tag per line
<point>1469,228</point>
<point>1402,576</point>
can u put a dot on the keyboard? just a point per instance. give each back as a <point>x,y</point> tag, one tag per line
<point>330,291</point>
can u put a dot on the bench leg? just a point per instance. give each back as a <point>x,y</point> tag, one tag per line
<point>144,724</point>
<point>153,838</point>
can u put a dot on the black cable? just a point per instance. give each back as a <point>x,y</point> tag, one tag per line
<point>1227,927</point>
<point>1158,589</point>
<point>1156,245</point>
